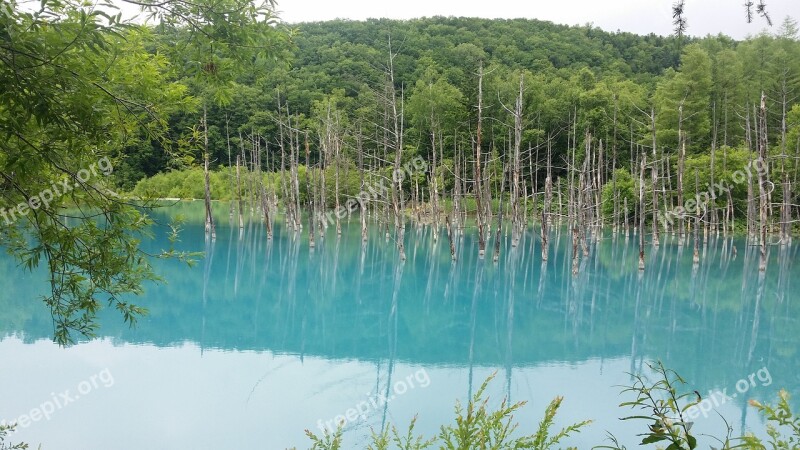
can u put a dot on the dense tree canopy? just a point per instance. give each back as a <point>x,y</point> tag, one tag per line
<point>577,80</point>
<point>81,92</point>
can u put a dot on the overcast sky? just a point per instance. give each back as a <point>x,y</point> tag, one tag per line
<point>637,16</point>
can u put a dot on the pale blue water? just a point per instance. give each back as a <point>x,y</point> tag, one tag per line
<point>263,340</point>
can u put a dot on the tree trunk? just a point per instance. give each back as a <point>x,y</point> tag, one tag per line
<point>478,178</point>
<point>641,211</point>
<point>762,182</point>
<point>210,228</point>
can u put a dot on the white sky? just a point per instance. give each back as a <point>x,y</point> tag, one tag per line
<point>637,16</point>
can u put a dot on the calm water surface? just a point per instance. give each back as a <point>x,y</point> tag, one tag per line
<point>261,341</point>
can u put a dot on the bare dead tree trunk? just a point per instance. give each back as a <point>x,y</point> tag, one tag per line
<point>515,181</point>
<point>210,228</point>
<point>336,156</point>
<point>762,181</point>
<point>597,189</point>
<point>576,207</point>
<point>456,187</point>
<point>397,144</point>
<point>751,207</point>
<point>681,169</point>
<point>786,210</point>
<point>584,196</point>
<point>712,206</point>
<point>498,233</point>
<point>284,190</point>
<point>696,254</point>
<point>294,148</point>
<point>450,237</point>
<point>230,166</point>
<point>654,173</point>
<point>478,177</point>
<point>626,220</point>
<point>641,210</point>
<point>239,202</point>
<point>361,200</point>
<point>434,191</point>
<point>264,194</point>
<point>310,195</point>
<point>324,152</point>
<point>666,190</point>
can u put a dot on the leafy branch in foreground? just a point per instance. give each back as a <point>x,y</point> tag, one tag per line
<point>779,418</point>
<point>408,441</point>
<point>477,427</point>
<point>328,441</point>
<point>665,405</point>
<point>5,430</point>
<point>79,87</point>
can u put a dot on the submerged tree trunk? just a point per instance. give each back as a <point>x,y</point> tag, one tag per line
<point>239,201</point>
<point>450,237</point>
<point>762,181</point>
<point>516,226</point>
<point>362,202</point>
<point>696,254</point>
<point>498,233</point>
<point>478,178</point>
<point>264,194</point>
<point>681,168</point>
<point>310,196</point>
<point>397,144</point>
<point>210,228</point>
<point>654,173</point>
<point>641,211</point>
<point>548,198</point>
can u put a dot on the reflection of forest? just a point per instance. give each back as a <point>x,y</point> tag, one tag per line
<point>713,324</point>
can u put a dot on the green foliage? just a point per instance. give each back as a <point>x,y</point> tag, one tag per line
<point>328,441</point>
<point>663,404</point>
<point>5,430</point>
<point>407,441</point>
<point>185,184</point>
<point>731,169</point>
<point>780,419</point>
<point>576,80</point>
<point>80,88</point>
<point>683,100</point>
<point>475,427</point>
<point>623,187</point>
<point>793,139</point>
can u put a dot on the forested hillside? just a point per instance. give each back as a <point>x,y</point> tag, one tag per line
<point>481,99</point>
<point>575,78</point>
<point>347,61</point>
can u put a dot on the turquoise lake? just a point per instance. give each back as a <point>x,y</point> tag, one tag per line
<point>262,340</point>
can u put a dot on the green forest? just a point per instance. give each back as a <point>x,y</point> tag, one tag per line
<point>691,106</point>
<point>578,82</point>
